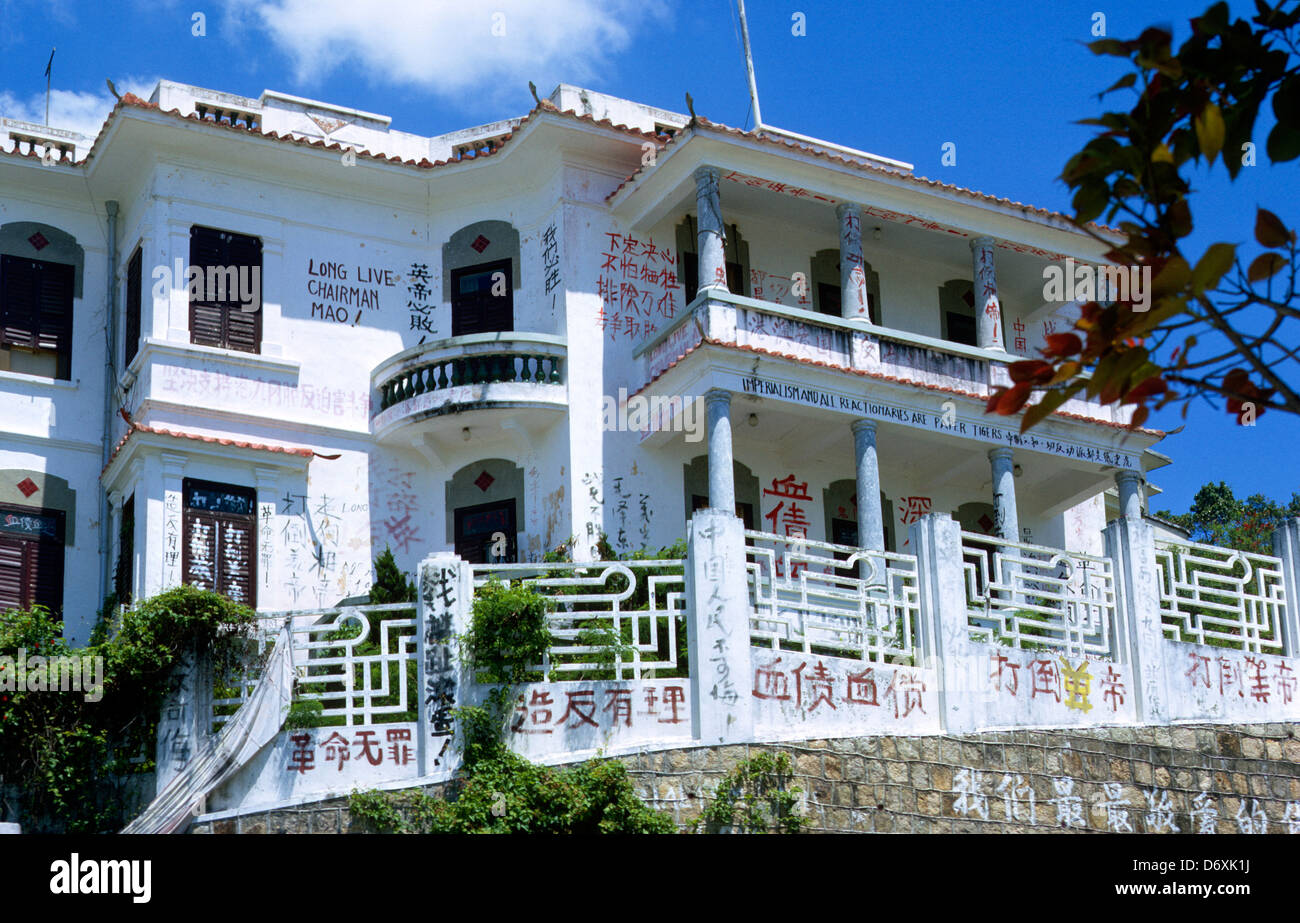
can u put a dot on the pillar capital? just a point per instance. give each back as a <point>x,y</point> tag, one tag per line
<point>717,396</point>
<point>1001,453</point>
<point>980,243</point>
<point>863,426</point>
<point>706,177</point>
<point>848,209</point>
<point>1130,493</point>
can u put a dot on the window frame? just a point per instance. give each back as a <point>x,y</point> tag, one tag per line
<point>217,519</point>
<point>480,304</point>
<point>209,311</point>
<point>54,549</point>
<point>33,324</point>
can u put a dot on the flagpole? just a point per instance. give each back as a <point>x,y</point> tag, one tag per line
<point>749,68</point>
<point>48,65</point>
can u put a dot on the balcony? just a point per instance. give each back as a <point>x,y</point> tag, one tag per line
<point>885,355</point>
<point>475,378</point>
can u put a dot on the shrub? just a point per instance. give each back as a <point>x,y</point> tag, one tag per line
<point>754,798</point>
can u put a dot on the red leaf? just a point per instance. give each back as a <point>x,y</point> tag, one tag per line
<point>1031,370</point>
<point>1014,398</point>
<point>1063,344</point>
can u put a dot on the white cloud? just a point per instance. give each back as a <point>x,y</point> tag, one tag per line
<point>72,110</point>
<point>450,46</point>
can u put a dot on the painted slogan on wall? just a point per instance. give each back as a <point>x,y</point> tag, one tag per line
<point>926,419</point>
<point>340,291</point>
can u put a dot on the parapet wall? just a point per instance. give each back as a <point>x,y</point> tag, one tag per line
<point>1182,779</point>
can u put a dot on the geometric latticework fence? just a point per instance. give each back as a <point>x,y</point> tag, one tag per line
<point>816,597</point>
<point>358,662</point>
<point>608,619</point>
<point>1039,598</point>
<point>1221,597</point>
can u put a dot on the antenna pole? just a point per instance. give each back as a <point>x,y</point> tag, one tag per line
<point>749,68</point>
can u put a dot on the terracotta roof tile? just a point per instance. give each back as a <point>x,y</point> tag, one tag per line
<point>134,427</point>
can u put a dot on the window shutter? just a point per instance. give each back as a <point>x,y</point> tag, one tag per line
<point>220,321</point>
<point>236,570</point>
<point>134,308</point>
<point>200,550</point>
<point>18,310</point>
<point>12,556</point>
<point>46,574</point>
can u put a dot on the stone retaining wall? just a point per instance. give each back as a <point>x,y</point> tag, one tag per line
<point>1230,779</point>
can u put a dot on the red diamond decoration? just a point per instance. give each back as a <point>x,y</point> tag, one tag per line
<point>38,241</point>
<point>484,481</point>
<point>28,487</point>
<point>480,243</point>
<point>985,523</point>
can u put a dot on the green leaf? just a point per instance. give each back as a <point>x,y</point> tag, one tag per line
<point>1091,200</point>
<point>1122,83</point>
<point>1051,401</point>
<point>1283,143</point>
<point>1210,131</point>
<point>1265,266</point>
<point>1210,269</point>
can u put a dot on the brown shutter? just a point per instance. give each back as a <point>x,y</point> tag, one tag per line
<point>134,307</point>
<point>12,556</point>
<point>45,583</point>
<point>199,551</point>
<point>18,321</point>
<point>218,321</point>
<point>236,574</point>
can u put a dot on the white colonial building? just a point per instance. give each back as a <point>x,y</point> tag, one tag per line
<point>590,320</point>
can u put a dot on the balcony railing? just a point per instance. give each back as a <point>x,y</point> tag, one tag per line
<point>738,321</point>
<point>440,374</point>
<point>481,368</point>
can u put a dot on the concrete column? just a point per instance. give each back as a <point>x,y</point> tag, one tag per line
<point>1131,546</point>
<point>945,633</point>
<point>871,521</point>
<point>446,595</point>
<point>717,628</point>
<point>711,236</point>
<point>722,486</point>
<point>268,592</point>
<point>1004,494</point>
<point>1286,545</point>
<point>988,307</point>
<point>853,277</point>
<point>1130,494</point>
<point>185,718</point>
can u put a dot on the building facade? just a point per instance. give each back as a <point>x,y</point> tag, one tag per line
<point>250,343</point>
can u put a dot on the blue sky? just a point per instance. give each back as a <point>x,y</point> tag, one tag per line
<point>1004,81</point>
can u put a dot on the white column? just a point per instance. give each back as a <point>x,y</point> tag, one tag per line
<point>1004,494</point>
<point>871,520</point>
<point>717,629</point>
<point>1130,494</point>
<point>176,257</point>
<point>1131,546</point>
<point>1286,545</point>
<point>267,593</point>
<point>711,236</point>
<point>173,470</point>
<point>988,307</point>
<point>722,486</point>
<point>853,277</point>
<point>446,595</point>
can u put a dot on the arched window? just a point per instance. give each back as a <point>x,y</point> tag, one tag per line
<point>480,274</point>
<point>825,284</point>
<point>957,311</point>
<point>735,252</point>
<point>40,276</point>
<point>696,479</point>
<point>485,511</point>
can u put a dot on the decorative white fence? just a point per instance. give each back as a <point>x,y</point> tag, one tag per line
<point>1038,598</point>
<point>816,597</point>
<point>619,619</point>
<point>1217,596</point>
<point>359,662</point>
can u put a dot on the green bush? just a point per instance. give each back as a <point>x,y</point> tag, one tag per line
<point>508,632</point>
<point>755,797</point>
<point>508,794</point>
<point>70,757</point>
